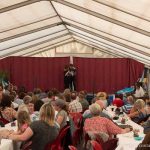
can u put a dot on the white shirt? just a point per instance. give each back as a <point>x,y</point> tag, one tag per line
<point>139,92</point>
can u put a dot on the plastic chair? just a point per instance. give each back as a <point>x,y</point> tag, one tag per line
<point>72,147</point>
<point>96,145</point>
<point>58,143</point>
<point>108,145</point>
<point>77,134</point>
<point>78,124</point>
<point>86,139</point>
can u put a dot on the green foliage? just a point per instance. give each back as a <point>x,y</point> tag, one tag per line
<point>4,76</point>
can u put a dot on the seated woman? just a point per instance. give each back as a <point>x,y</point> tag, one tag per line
<point>7,111</point>
<point>98,124</point>
<point>40,132</point>
<point>61,107</point>
<point>87,113</point>
<point>23,121</point>
<point>138,112</point>
<point>103,97</point>
<point>146,124</point>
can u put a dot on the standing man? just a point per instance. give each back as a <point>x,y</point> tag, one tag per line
<point>67,76</point>
<point>72,69</point>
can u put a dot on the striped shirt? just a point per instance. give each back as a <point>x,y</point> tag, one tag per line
<point>126,108</point>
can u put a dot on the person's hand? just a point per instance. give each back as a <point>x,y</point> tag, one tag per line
<point>11,131</point>
<point>4,133</point>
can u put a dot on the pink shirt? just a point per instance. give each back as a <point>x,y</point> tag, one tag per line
<point>101,124</point>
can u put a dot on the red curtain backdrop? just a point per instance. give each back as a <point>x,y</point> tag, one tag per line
<point>106,74</point>
<point>5,64</point>
<point>31,72</point>
<point>93,74</point>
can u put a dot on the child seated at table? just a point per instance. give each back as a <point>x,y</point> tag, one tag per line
<point>23,121</point>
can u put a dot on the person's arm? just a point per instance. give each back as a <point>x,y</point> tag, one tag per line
<point>114,129</point>
<point>126,130</point>
<point>134,114</point>
<point>60,119</point>
<point>14,113</point>
<point>22,137</point>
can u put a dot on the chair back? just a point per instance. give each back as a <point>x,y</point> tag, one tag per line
<point>58,142</point>
<point>77,119</point>
<point>72,147</point>
<point>96,145</point>
<point>110,144</point>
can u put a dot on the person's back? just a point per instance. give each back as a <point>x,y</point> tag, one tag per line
<point>75,106</point>
<point>43,134</point>
<point>85,104</point>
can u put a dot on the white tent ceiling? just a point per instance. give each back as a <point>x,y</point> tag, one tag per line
<point>118,28</point>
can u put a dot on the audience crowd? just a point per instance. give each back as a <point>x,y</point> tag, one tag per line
<point>42,115</point>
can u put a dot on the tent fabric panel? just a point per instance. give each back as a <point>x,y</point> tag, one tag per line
<point>29,37</point>
<point>97,45</point>
<point>53,44</point>
<point>26,14</point>
<point>117,52</point>
<point>73,23</point>
<point>6,3</point>
<point>112,13</point>
<point>82,33</point>
<point>36,42</point>
<point>140,9</point>
<point>101,24</point>
<point>75,49</point>
<point>29,27</point>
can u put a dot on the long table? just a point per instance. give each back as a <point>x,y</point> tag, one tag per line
<point>127,140</point>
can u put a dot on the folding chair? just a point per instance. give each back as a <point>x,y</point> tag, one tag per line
<point>96,145</point>
<point>58,143</point>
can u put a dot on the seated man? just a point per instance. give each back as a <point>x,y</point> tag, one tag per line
<point>75,105</point>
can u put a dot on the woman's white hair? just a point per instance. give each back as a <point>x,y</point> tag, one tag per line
<point>95,109</point>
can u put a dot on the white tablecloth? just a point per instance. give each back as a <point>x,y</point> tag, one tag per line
<point>7,144</point>
<point>127,141</point>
